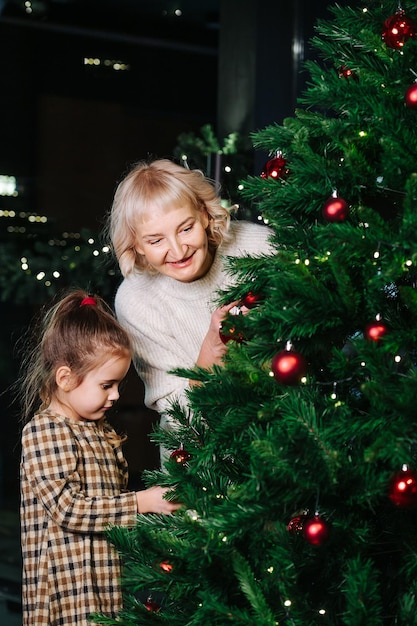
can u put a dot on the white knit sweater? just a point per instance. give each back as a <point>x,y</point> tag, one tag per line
<point>168,320</point>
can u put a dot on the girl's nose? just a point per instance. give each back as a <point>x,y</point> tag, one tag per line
<point>114,394</point>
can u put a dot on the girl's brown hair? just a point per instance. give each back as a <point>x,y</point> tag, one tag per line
<point>157,185</point>
<point>70,333</point>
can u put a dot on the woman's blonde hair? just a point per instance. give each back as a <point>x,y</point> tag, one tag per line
<point>156,185</point>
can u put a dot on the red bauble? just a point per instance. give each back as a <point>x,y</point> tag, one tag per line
<point>411,96</point>
<point>166,566</point>
<point>180,456</point>
<point>288,367</point>
<point>251,300</point>
<point>275,168</point>
<point>335,209</point>
<point>316,531</point>
<point>345,72</point>
<point>398,29</point>
<point>152,606</point>
<point>403,489</point>
<point>228,333</point>
<point>376,330</point>
<point>296,525</point>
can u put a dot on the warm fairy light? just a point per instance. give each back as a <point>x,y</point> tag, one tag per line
<point>376,255</point>
<point>321,612</point>
<point>90,241</point>
<point>270,569</point>
<point>240,187</point>
<point>363,364</point>
<point>106,63</point>
<point>307,262</point>
<point>397,358</point>
<point>8,186</point>
<point>96,252</point>
<point>56,274</point>
<point>228,169</point>
<point>287,603</point>
<point>105,249</point>
<point>40,276</point>
<point>409,263</point>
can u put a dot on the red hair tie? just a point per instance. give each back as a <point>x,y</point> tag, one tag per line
<point>89,300</point>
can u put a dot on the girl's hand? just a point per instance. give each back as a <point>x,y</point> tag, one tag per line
<point>152,500</point>
<point>213,348</point>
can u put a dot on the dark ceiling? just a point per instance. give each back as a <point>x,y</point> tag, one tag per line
<point>193,22</point>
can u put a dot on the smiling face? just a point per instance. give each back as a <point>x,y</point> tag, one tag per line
<point>95,394</point>
<point>174,242</point>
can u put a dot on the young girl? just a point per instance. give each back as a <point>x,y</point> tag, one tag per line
<point>171,234</point>
<point>73,473</point>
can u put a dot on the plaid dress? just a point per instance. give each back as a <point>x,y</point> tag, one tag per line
<point>72,488</point>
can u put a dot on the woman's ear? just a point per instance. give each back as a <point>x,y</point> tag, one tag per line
<point>64,378</point>
<point>205,218</point>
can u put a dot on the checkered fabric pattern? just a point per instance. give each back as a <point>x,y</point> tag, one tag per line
<point>73,487</point>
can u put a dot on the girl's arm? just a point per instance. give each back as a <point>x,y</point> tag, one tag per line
<point>54,467</point>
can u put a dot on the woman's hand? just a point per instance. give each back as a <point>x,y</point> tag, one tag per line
<point>152,500</point>
<point>213,348</point>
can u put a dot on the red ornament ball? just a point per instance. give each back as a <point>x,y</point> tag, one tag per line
<point>335,209</point>
<point>180,456</point>
<point>275,168</point>
<point>411,96</point>
<point>288,367</point>
<point>403,489</point>
<point>228,333</point>
<point>251,300</point>
<point>166,566</point>
<point>152,606</point>
<point>316,531</point>
<point>375,331</point>
<point>345,72</point>
<point>296,525</point>
<point>398,29</point>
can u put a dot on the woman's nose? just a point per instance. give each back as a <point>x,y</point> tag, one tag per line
<point>177,248</point>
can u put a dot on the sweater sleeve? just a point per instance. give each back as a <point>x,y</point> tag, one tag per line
<point>158,349</point>
<point>55,471</point>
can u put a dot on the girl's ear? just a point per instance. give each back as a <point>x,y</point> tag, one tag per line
<point>63,378</point>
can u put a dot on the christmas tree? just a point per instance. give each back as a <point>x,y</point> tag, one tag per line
<point>296,461</point>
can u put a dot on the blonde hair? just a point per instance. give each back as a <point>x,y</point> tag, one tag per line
<point>75,334</point>
<point>157,185</point>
